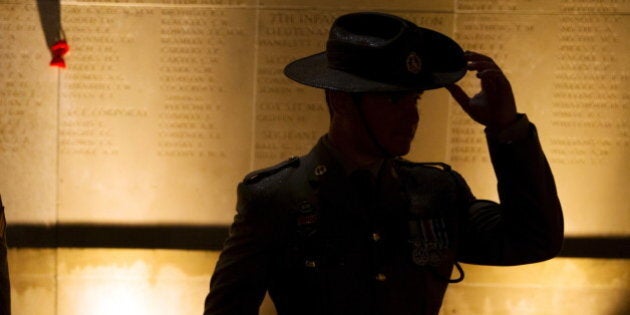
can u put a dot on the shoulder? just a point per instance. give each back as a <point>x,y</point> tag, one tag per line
<point>267,180</point>
<point>269,173</point>
<point>267,186</point>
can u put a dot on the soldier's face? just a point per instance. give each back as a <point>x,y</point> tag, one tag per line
<point>393,118</point>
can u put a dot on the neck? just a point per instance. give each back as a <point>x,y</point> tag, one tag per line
<point>351,150</point>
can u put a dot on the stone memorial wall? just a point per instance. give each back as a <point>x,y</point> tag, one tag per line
<point>165,105</point>
<point>164,96</point>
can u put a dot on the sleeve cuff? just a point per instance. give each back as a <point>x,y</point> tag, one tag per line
<point>518,130</point>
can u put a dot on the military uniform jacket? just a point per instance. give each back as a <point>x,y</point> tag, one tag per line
<point>321,241</point>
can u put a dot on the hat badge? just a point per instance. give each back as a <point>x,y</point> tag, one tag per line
<point>414,63</point>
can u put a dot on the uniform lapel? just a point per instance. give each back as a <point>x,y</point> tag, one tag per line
<point>326,177</point>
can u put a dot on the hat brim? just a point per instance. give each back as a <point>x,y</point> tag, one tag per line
<point>314,71</point>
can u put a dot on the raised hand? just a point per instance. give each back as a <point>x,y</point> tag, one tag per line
<point>494,105</point>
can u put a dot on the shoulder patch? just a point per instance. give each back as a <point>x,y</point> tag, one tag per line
<point>439,165</point>
<point>256,176</point>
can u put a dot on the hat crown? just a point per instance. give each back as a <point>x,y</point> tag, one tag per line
<point>376,46</point>
<point>371,51</point>
<point>374,30</point>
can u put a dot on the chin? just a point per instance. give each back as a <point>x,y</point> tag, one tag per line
<point>400,147</point>
<point>399,150</point>
<point>403,152</point>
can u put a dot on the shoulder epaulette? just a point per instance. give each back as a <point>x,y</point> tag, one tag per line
<point>440,165</point>
<point>255,176</point>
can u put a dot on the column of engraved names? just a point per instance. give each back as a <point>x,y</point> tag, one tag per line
<point>93,85</point>
<point>590,101</point>
<point>190,50</point>
<point>288,115</point>
<point>22,96</point>
<point>489,35</point>
<point>594,7</point>
<point>489,5</point>
<point>28,116</point>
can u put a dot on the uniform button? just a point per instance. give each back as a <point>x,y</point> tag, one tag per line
<point>310,264</point>
<point>320,170</point>
<point>380,277</point>
<point>376,237</point>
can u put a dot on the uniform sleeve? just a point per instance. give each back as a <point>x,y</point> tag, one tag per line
<point>5,288</point>
<point>240,278</point>
<point>527,226</point>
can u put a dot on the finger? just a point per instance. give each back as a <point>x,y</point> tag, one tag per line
<point>482,65</point>
<point>458,94</point>
<point>479,100</point>
<point>475,56</point>
<point>490,73</point>
<point>489,84</point>
<point>495,84</point>
<point>494,75</point>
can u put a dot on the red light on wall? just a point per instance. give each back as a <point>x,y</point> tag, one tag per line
<point>59,49</point>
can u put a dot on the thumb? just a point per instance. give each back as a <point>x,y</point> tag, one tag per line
<point>459,95</point>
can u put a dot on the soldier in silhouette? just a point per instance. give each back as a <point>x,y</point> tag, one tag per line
<point>353,228</point>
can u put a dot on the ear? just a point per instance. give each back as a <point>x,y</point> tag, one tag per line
<point>340,103</point>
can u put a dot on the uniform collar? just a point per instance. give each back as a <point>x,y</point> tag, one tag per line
<point>348,166</point>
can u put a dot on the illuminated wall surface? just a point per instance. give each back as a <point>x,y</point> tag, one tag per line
<point>166,104</point>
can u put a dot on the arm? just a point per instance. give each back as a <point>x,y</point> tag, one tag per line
<point>527,226</point>
<point>239,282</point>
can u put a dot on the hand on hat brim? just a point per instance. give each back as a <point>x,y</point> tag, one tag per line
<point>494,105</point>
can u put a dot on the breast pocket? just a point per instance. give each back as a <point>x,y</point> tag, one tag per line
<point>430,242</point>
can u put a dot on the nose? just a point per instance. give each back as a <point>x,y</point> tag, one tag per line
<point>410,112</point>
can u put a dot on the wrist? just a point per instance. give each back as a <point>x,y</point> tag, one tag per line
<point>504,123</point>
<point>516,130</point>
